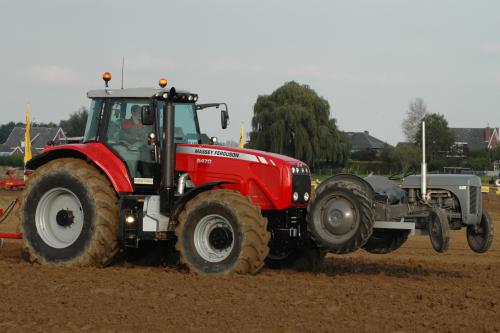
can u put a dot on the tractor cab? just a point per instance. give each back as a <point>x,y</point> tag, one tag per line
<point>130,123</point>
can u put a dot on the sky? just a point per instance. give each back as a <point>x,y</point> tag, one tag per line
<point>369,59</point>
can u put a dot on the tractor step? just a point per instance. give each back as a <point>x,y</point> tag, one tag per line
<point>401,225</point>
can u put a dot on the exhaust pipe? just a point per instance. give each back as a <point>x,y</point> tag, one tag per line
<point>167,167</point>
<point>423,174</point>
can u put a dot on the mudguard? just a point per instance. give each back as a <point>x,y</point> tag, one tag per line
<point>191,193</point>
<point>94,152</point>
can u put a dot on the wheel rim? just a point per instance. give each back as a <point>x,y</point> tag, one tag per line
<point>339,217</point>
<point>214,238</point>
<point>59,218</point>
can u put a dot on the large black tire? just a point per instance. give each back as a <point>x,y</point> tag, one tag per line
<point>480,236</point>
<point>439,230</point>
<point>222,232</point>
<point>309,259</point>
<point>385,241</point>
<point>69,215</point>
<point>340,217</point>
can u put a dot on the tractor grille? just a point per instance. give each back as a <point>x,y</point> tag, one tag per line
<point>473,200</point>
<point>301,184</point>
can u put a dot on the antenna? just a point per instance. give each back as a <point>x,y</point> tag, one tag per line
<point>423,175</point>
<point>123,66</point>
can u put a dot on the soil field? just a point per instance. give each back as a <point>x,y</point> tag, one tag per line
<point>411,290</point>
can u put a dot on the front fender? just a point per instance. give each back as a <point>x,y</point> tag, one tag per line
<point>183,200</point>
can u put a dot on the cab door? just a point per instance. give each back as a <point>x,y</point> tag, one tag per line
<point>128,138</point>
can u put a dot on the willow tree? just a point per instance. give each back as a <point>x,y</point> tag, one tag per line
<point>295,121</point>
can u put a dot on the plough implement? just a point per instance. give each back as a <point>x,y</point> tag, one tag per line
<point>4,214</point>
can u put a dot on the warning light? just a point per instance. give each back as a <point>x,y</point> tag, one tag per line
<point>106,77</point>
<point>163,82</point>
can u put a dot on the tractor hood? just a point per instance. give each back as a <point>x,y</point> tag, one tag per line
<point>268,179</point>
<point>249,155</point>
<point>437,180</point>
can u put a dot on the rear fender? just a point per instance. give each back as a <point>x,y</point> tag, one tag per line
<point>350,178</point>
<point>97,154</point>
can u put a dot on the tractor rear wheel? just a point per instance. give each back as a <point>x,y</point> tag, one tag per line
<point>69,215</point>
<point>385,241</point>
<point>340,216</point>
<point>222,232</point>
<point>480,236</point>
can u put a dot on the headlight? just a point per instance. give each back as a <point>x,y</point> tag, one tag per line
<point>306,197</point>
<point>130,219</point>
<point>295,196</point>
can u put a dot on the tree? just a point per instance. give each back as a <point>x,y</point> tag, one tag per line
<point>75,125</point>
<point>5,130</point>
<point>417,110</point>
<point>439,139</point>
<point>407,157</point>
<point>295,121</point>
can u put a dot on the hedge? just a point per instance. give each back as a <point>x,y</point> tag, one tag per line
<point>14,161</point>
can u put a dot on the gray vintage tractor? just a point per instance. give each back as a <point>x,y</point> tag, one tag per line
<point>378,215</point>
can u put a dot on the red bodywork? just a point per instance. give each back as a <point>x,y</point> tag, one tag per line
<point>109,163</point>
<point>264,177</point>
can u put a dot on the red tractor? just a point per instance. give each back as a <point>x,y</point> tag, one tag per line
<point>142,174</point>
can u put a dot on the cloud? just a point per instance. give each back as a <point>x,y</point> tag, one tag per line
<point>492,48</point>
<point>313,71</point>
<point>235,67</point>
<point>295,73</point>
<point>47,74</point>
<point>147,62</point>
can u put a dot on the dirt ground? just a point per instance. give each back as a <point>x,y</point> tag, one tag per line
<point>411,290</point>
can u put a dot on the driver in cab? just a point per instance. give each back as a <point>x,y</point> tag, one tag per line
<point>133,131</point>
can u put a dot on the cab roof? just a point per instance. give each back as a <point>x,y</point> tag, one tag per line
<point>130,92</point>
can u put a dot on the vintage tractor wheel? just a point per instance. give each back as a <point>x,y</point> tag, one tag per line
<point>480,236</point>
<point>384,241</point>
<point>222,232</point>
<point>340,216</point>
<point>439,230</point>
<point>69,215</point>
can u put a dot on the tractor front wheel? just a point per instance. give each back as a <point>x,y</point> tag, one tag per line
<point>69,215</point>
<point>301,258</point>
<point>439,230</point>
<point>222,232</point>
<point>480,236</point>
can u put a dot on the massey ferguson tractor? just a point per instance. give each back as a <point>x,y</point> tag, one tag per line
<point>142,174</point>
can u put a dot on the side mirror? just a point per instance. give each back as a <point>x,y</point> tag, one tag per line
<point>224,118</point>
<point>147,115</point>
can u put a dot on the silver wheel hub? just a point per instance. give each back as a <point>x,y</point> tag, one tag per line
<point>339,216</point>
<point>59,218</point>
<point>214,238</point>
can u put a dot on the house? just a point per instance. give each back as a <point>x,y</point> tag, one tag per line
<point>363,141</point>
<point>40,137</point>
<point>475,139</point>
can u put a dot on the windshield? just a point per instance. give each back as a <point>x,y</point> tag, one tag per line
<point>94,118</point>
<point>185,122</point>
